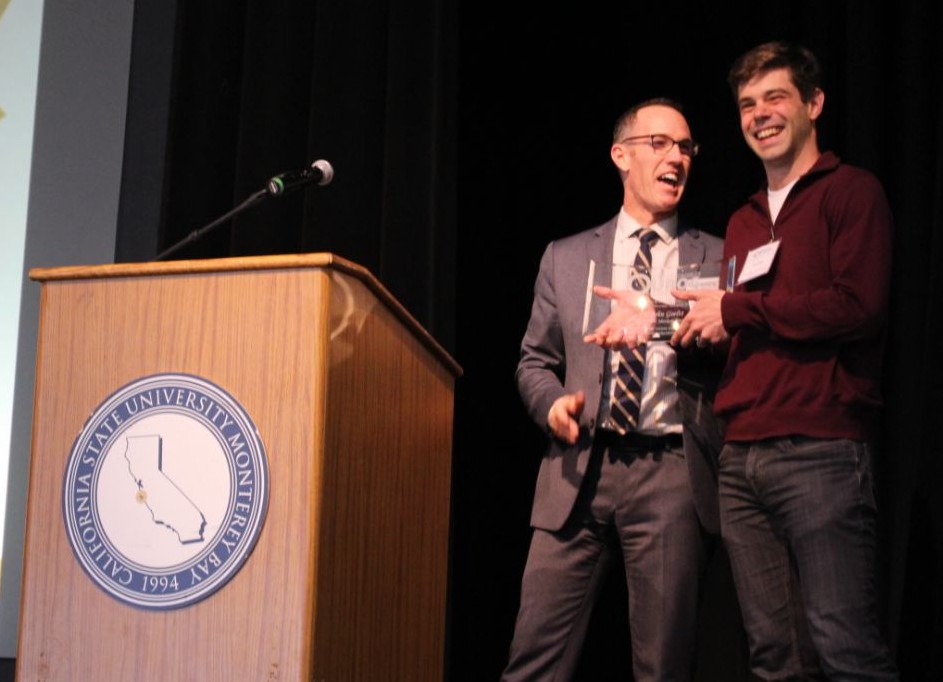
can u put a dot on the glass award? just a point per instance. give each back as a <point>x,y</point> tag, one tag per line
<point>641,303</point>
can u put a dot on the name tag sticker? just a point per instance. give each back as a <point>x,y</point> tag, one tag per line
<point>758,262</point>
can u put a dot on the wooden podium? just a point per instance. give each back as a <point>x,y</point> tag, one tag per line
<point>353,402</point>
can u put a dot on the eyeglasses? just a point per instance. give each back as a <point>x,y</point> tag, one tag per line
<point>662,144</point>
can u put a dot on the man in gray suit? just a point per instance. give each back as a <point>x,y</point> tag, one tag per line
<point>649,489</point>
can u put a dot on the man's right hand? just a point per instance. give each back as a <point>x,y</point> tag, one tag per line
<point>564,415</point>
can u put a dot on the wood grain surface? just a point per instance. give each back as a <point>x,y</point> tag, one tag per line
<point>354,407</point>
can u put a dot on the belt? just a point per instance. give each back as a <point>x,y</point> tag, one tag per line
<point>638,441</point>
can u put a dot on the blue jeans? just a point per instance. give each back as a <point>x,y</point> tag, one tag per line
<point>798,520</point>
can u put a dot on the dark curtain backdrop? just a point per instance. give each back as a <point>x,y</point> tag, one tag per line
<point>464,137</point>
<point>225,94</point>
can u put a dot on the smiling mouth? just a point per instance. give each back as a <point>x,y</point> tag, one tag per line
<point>767,133</point>
<point>672,179</point>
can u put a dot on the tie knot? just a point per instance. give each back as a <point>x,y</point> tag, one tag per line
<point>647,236</point>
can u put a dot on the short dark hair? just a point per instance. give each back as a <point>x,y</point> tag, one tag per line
<point>628,117</point>
<point>801,62</point>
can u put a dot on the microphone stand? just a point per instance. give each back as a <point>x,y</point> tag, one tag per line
<point>196,234</point>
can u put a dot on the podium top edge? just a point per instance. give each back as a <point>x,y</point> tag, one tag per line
<point>249,263</point>
<point>206,265</point>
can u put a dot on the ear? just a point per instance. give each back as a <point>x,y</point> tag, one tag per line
<point>620,157</point>
<point>815,104</point>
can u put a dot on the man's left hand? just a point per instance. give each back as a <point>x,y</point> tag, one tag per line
<point>630,323</point>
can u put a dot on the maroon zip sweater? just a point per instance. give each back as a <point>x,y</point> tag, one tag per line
<point>808,336</point>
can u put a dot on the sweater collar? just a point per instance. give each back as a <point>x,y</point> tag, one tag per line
<point>826,163</point>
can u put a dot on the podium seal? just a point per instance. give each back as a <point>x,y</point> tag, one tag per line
<point>165,491</point>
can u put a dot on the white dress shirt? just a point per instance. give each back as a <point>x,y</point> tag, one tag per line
<point>659,413</point>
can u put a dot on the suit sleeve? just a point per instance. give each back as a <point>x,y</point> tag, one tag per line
<point>542,364</point>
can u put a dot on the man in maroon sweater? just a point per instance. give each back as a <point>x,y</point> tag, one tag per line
<point>809,259</point>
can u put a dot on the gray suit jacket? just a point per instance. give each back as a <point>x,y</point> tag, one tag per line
<point>555,361</point>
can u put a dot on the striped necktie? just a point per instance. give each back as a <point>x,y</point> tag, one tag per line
<point>627,388</point>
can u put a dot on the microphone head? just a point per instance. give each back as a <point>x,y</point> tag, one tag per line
<point>327,171</point>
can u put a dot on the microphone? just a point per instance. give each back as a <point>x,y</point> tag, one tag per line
<point>320,172</point>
